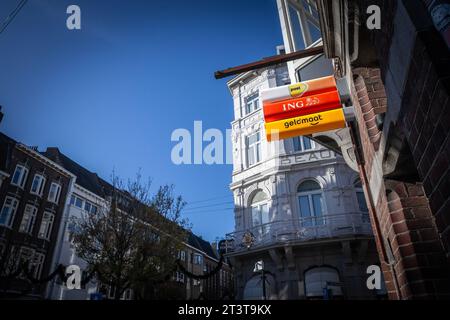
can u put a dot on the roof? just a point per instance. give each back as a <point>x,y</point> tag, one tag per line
<point>85,178</point>
<point>202,245</point>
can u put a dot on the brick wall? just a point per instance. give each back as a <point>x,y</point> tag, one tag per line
<point>426,119</point>
<point>413,217</point>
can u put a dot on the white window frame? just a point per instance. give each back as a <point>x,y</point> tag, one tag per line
<point>41,185</point>
<point>262,226</point>
<point>28,219</point>
<point>23,175</point>
<point>91,205</point>
<point>252,103</point>
<point>54,199</point>
<point>301,140</point>
<point>46,227</point>
<point>309,195</point>
<point>255,148</point>
<point>198,259</point>
<point>304,16</point>
<point>73,201</point>
<point>182,255</point>
<point>14,204</point>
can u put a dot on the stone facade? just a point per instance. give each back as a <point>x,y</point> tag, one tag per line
<point>334,244</point>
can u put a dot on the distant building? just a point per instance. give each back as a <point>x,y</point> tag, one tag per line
<point>86,196</point>
<point>200,258</point>
<point>33,196</point>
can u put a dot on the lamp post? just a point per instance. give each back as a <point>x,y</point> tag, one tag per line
<point>259,267</point>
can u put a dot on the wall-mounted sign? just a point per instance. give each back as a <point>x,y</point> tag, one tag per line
<point>283,109</point>
<point>302,108</point>
<point>300,89</point>
<point>306,124</point>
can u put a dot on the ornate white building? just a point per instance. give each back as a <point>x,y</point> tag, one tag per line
<point>299,209</point>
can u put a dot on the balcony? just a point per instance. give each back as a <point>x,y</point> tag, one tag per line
<point>298,231</point>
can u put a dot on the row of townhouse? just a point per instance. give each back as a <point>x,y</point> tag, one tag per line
<point>39,193</point>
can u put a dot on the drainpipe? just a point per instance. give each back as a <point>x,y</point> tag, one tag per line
<point>360,161</point>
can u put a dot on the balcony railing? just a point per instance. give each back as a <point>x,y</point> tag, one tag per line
<point>298,230</point>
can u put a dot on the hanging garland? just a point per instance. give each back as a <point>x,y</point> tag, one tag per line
<point>204,276</point>
<point>61,274</point>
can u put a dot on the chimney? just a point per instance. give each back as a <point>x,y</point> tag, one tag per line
<point>53,153</point>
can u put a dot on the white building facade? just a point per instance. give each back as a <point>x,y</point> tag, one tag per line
<point>299,209</point>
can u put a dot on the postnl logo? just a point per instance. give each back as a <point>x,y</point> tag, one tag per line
<point>298,89</point>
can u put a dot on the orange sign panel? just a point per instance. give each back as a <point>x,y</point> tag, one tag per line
<point>305,124</point>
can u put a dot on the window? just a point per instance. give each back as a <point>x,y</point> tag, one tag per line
<point>37,264</point>
<point>319,278</point>
<point>302,143</point>
<point>28,219</point>
<point>90,208</point>
<point>253,148</point>
<point>260,212</point>
<point>310,203</point>
<point>8,212</point>
<point>182,255</point>
<point>317,68</point>
<point>46,225</point>
<point>179,276</point>
<point>76,201</point>
<point>362,205</point>
<point>37,187</point>
<point>20,176</point>
<point>304,23</point>
<point>53,194</point>
<point>198,259</point>
<point>252,103</point>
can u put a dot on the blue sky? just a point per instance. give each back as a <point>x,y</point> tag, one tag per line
<point>110,95</point>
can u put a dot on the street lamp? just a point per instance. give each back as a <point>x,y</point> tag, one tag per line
<point>259,267</point>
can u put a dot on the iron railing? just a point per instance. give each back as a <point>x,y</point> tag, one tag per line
<point>303,229</point>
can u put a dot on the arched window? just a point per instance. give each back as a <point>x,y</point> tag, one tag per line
<point>362,205</point>
<point>322,282</point>
<point>254,288</point>
<point>310,202</point>
<point>260,212</point>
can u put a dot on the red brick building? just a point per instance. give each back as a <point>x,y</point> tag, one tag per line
<point>399,81</point>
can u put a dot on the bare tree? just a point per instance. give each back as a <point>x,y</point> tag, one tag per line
<point>133,243</point>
